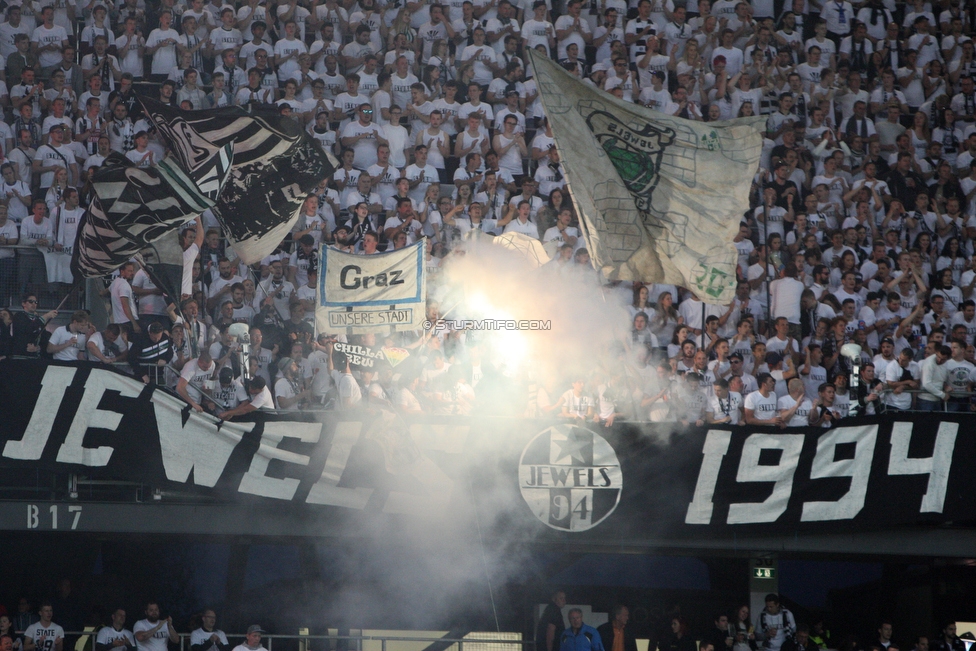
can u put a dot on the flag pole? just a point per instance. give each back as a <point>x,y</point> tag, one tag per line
<point>37,342</point>
<point>769,305</point>
<point>61,304</point>
<point>703,326</point>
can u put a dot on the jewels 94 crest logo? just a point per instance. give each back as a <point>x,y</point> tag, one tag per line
<point>570,477</point>
<point>635,154</point>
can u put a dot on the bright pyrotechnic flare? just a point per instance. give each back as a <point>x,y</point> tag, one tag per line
<point>574,323</point>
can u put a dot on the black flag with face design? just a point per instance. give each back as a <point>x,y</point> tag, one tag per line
<point>276,164</point>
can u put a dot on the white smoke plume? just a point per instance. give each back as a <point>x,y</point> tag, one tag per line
<point>489,281</point>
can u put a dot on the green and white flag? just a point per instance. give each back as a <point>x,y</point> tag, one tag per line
<point>659,198</point>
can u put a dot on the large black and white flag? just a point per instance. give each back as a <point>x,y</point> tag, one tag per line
<point>133,207</point>
<point>276,164</point>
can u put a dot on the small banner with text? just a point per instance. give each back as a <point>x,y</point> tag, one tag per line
<point>381,293</point>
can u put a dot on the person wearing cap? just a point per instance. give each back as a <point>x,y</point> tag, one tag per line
<point>655,96</point>
<point>151,348</point>
<point>885,356</point>
<point>747,381</point>
<point>597,76</point>
<point>258,397</point>
<point>228,394</point>
<point>341,239</point>
<point>53,155</point>
<point>252,639</point>
<point>141,155</point>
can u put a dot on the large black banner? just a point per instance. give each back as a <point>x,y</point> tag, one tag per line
<point>539,479</point>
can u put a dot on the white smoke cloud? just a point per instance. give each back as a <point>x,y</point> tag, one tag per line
<point>434,571</point>
<point>494,282</point>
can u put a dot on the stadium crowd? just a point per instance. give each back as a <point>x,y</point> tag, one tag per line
<point>36,630</point>
<point>774,628</point>
<point>861,227</point>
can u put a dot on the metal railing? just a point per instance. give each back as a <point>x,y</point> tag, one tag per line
<point>474,641</point>
<point>961,398</point>
<point>966,398</point>
<point>18,280</point>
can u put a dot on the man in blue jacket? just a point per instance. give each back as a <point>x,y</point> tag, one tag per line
<point>579,636</point>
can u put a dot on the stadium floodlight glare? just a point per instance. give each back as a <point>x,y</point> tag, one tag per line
<point>853,353</point>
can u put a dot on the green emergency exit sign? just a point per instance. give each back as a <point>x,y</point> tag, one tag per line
<point>764,572</point>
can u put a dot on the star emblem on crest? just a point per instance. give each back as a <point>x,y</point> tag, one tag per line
<point>573,447</point>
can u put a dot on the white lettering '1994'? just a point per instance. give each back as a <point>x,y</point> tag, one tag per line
<point>858,469</point>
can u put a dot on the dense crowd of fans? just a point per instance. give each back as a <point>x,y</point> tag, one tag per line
<point>774,628</point>
<point>861,228</point>
<point>55,624</point>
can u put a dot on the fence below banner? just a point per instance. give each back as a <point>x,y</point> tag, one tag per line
<point>355,641</point>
